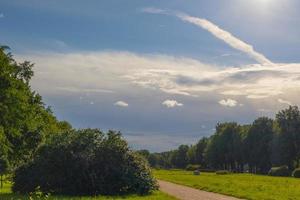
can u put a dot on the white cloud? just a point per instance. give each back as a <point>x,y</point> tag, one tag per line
<point>228,102</point>
<point>171,103</point>
<point>284,101</point>
<point>121,104</point>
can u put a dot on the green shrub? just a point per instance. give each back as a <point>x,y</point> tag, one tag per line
<point>196,172</point>
<point>222,172</point>
<point>296,173</point>
<point>279,171</point>
<point>85,162</point>
<point>191,167</point>
<point>207,170</point>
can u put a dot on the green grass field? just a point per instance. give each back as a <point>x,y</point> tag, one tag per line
<point>246,186</point>
<point>6,194</point>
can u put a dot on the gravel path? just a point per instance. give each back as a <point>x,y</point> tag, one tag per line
<point>187,193</point>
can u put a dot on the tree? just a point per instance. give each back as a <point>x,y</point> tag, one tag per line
<point>289,135</point>
<point>200,151</point>
<point>25,123</point>
<point>3,169</point>
<point>225,148</point>
<point>258,144</point>
<point>179,157</point>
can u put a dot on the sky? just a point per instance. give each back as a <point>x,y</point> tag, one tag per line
<point>161,72</point>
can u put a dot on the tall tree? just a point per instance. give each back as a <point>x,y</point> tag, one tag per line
<point>24,120</point>
<point>258,144</point>
<point>289,135</point>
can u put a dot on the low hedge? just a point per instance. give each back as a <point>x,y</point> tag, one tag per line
<point>296,173</point>
<point>192,167</point>
<point>222,172</point>
<point>279,171</point>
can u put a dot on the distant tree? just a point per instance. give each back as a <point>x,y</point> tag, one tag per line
<point>224,149</point>
<point>259,145</point>
<point>200,151</point>
<point>145,153</point>
<point>289,135</point>
<point>179,157</point>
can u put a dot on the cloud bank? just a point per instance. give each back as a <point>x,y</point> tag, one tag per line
<point>120,72</point>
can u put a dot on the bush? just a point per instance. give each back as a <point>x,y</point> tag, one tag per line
<point>296,173</point>
<point>190,167</point>
<point>279,171</point>
<point>85,162</point>
<point>222,172</point>
<point>196,172</point>
<point>207,170</point>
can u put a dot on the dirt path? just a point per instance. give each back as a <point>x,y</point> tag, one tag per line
<point>187,193</point>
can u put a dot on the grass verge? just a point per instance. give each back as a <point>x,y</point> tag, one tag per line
<point>6,194</point>
<point>247,186</point>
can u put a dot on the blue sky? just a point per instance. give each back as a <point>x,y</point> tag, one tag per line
<point>163,72</point>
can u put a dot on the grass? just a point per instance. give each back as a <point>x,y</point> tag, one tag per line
<point>247,186</point>
<point>6,194</point>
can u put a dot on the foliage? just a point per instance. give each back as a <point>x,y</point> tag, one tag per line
<point>3,169</point>
<point>6,194</point>
<point>296,173</point>
<point>85,162</point>
<point>258,145</point>
<point>25,123</point>
<point>279,171</point>
<point>224,150</point>
<point>244,186</point>
<point>289,134</point>
<point>222,172</point>
<point>179,157</point>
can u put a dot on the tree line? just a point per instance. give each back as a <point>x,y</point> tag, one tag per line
<point>252,147</point>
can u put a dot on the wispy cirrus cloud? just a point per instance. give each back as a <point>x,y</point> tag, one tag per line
<point>215,30</point>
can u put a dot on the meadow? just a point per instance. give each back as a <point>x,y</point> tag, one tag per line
<point>6,194</point>
<point>247,186</point>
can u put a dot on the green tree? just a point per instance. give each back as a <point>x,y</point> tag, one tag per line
<point>288,121</point>
<point>3,169</point>
<point>179,157</point>
<point>25,123</point>
<point>225,148</point>
<point>258,144</point>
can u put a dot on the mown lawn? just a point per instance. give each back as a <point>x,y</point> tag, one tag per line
<point>6,194</point>
<point>247,186</point>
